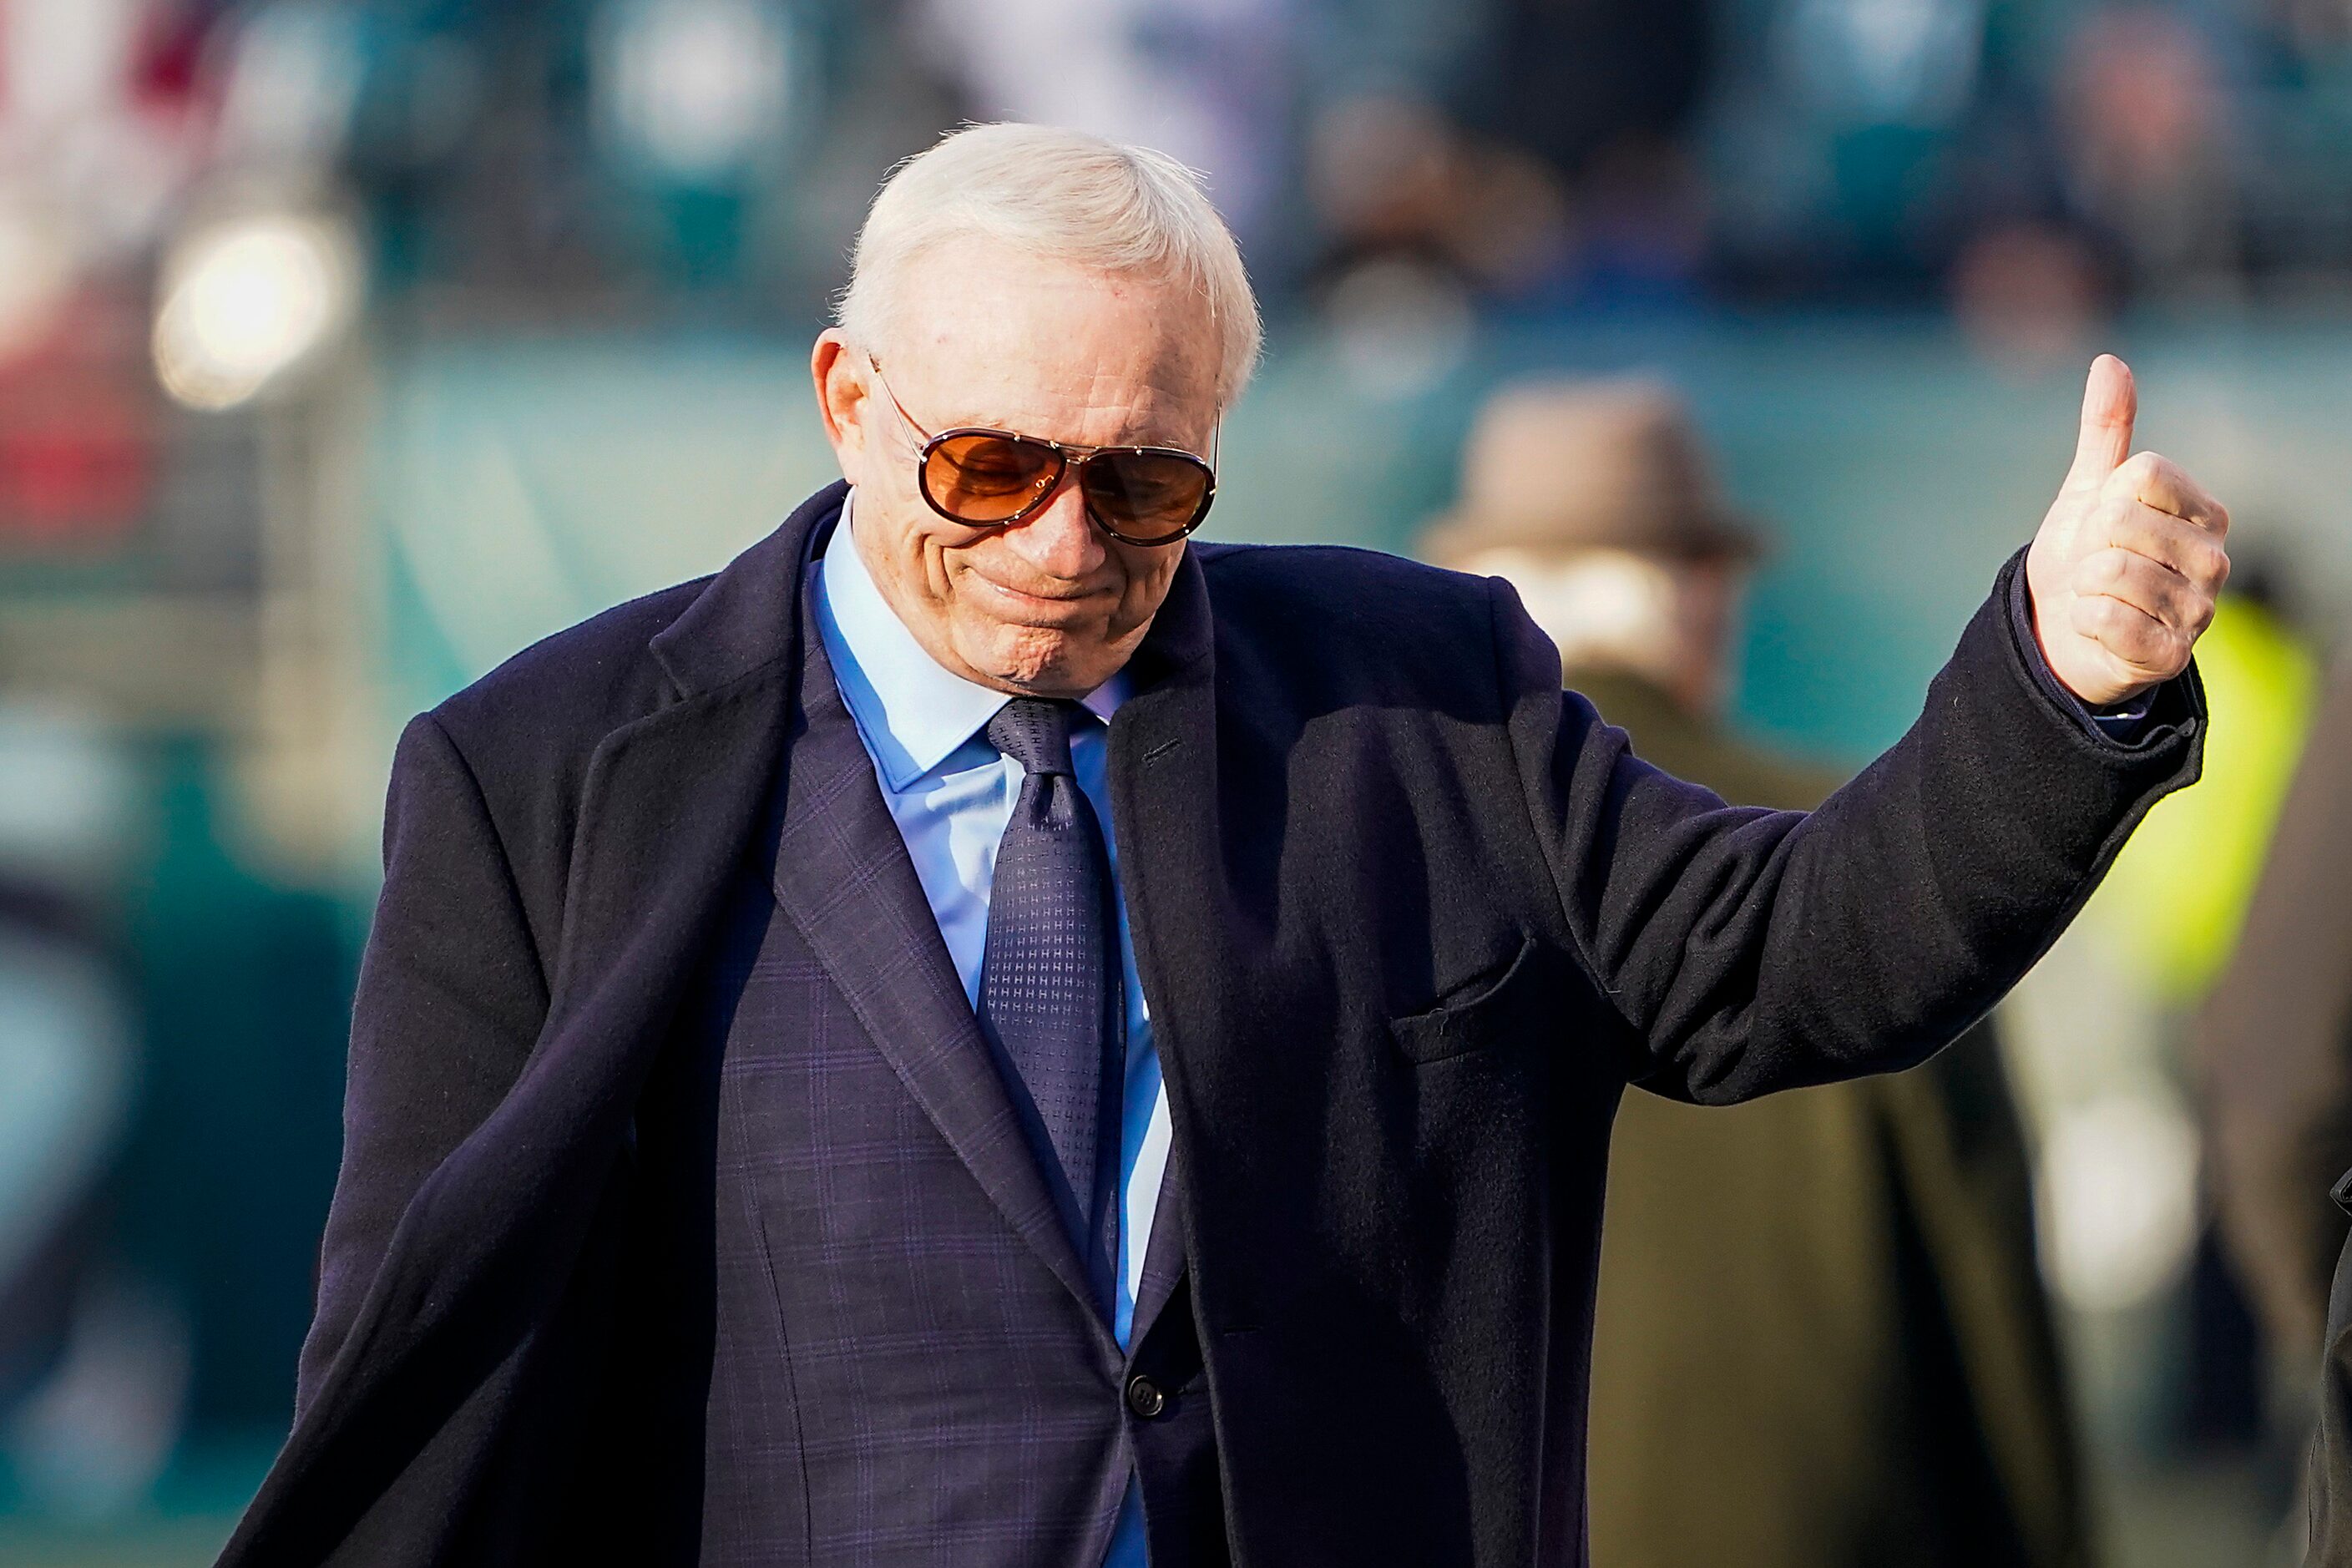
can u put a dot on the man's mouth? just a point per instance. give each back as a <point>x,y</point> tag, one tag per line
<point>1050,606</point>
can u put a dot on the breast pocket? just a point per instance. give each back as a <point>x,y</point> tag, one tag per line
<point>1496,1007</point>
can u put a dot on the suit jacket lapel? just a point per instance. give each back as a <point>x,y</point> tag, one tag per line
<point>842,876</point>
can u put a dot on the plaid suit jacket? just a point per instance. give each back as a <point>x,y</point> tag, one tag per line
<point>905,1366</point>
<point>1409,919</point>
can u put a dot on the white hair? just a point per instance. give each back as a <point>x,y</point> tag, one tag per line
<point>1062,195</point>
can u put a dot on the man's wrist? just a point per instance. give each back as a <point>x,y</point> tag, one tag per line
<point>2125,722</point>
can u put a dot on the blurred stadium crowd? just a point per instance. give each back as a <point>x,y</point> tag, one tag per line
<point>593,158</point>
<point>304,306</point>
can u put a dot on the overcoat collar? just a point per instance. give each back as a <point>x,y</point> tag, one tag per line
<point>643,891</point>
<point>749,617</point>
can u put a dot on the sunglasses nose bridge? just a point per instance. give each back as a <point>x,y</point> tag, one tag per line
<point>1062,537</point>
<point>1069,474</point>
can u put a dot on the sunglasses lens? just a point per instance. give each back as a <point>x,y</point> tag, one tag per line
<point>1147,498</point>
<point>986,479</point>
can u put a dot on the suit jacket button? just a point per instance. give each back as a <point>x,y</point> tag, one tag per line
<point>1143,1397</point>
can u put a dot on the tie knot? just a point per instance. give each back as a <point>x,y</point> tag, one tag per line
<point>1035,733</point>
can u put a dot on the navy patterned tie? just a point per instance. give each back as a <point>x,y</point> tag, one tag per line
<point>1049,981</point>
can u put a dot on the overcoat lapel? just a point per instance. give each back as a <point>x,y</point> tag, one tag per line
<point>1163,782</point>
<point>672,799</point>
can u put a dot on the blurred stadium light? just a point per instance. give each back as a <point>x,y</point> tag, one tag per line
<point>248,301</point>
<point>693,91</point>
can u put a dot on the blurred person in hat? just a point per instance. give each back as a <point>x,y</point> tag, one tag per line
<point>2274,1046</point>
<point>1825,1302</point>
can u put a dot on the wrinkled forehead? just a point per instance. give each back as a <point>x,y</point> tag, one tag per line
<point>985,336</point>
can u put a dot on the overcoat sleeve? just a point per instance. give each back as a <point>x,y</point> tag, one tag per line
<point>1750,950</point>
<point>451,997</point>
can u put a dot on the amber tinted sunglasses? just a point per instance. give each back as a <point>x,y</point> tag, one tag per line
<point>993,479</point>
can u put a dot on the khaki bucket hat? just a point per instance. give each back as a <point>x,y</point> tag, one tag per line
<point>1589,465</point>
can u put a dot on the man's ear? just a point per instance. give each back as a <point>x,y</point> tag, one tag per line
<point>844,385</point>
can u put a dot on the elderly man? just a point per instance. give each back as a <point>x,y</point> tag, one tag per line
<point>983,1034</point>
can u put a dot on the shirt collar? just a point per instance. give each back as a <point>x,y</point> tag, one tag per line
<point>912,711</point>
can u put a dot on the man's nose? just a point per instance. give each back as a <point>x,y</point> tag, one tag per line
<point>1059,539</point>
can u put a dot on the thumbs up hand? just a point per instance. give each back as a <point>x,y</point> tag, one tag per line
<point>2125,569</point>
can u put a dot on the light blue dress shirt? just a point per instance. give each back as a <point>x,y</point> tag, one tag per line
<point>952,794</point>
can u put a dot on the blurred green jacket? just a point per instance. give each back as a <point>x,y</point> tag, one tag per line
<point>1821,1339</point>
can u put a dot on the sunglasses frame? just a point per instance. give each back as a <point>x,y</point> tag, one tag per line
<point>1072,460</point>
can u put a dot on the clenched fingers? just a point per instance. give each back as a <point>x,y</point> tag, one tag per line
<point>2191,550</point>
<point>2158,481</point>
<point>2148,586</point>
<point>2144,648</point>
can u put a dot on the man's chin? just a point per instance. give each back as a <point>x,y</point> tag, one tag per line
<point>1044,661</point>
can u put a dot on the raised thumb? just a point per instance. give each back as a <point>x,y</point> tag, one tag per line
<point>2110,404</point>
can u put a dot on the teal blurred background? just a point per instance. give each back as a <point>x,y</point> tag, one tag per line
<point>347,348</point>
